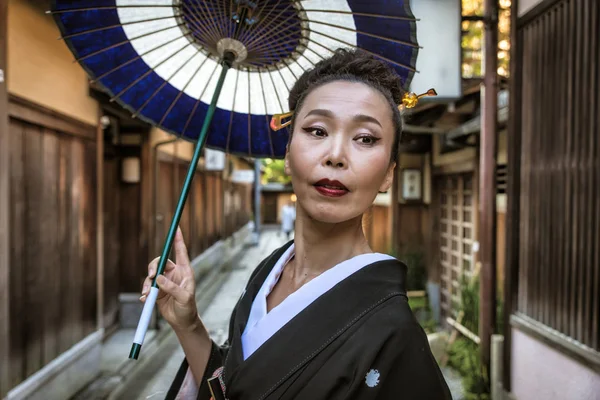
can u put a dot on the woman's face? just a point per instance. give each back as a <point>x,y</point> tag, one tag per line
<point>339,155</point>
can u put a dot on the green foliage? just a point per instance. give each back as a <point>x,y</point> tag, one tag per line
<point>472,38</point>
<point>463,356</point>
<point>413,257</point>
<point>274,172</point>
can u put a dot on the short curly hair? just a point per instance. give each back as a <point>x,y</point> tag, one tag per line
<point>353,66</point>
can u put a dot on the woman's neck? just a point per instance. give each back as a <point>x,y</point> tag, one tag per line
<point>320,246</point>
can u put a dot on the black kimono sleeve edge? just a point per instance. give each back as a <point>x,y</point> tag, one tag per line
<point>215,361</point>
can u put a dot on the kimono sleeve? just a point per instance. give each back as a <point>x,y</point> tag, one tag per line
<point>404,367</point>
<point>184,385</point>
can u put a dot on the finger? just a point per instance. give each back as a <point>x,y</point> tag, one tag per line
<point>177,292</point>
<point>146,288</point>
<point>181,253</point>
<point>154,265</point>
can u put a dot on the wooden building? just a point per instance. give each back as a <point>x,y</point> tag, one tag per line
<point>86,196</point>
<point>552,327</point>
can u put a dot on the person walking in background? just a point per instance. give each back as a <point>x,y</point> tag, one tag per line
<point>288,216</point>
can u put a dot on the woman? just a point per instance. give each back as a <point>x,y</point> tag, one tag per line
<point>323,317</point>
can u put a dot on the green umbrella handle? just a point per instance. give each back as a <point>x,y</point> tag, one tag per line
<point>144,321</point>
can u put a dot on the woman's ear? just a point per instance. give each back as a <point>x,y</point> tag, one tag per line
<point>389,178</point>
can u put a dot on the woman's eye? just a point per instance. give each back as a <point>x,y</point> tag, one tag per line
<point>367,139</point>
<point>315,131</point>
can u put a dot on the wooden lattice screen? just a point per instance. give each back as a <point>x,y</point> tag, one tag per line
<point>457,230</point>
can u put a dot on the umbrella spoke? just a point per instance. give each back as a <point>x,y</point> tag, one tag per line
<point>214,34</point>
<point>345,28</point>
<point>264,34</point>
<point>249,118</point>
<point>105,28</point>
<point>260,21</point>
<point>408,67</point>
<point>198,100</point>
<point>182,91</point>
<point>80,9</point>
<point>267,44</point>
<point>237,76</point>
<point>276,93</point>
<point>205,36</point>
<point>358,14</point>
<point>95,53</point>
<point>262,88</point>
<point>135,58</point>
<point>137,112</point>
<point>211,18</point>
<point>283,79</point>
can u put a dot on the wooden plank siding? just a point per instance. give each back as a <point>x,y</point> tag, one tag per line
<point>53,223</point>
<point>558,122</point>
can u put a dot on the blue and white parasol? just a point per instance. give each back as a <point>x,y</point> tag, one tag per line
<point>167,62</point>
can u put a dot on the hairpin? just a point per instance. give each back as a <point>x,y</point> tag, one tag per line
<point>409,100</point>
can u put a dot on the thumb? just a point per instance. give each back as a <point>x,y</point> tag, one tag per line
<point>177,292</point>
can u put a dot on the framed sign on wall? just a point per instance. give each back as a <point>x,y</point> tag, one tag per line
<point>412,187</point>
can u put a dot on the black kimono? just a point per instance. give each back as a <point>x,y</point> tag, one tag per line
<point>359,340</point>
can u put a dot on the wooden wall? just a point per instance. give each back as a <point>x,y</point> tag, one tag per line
<point>53,232</point>
<point>377,228</point>
<point>559,172</point>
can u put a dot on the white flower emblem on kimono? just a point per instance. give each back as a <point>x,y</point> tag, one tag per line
<point>372,378</point>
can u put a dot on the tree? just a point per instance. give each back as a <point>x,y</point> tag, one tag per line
<point>472,38</point>
<point>274,172</point>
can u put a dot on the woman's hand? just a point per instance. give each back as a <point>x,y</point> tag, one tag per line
<point>176,299</point>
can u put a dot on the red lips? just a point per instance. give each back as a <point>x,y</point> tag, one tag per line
<point>331,188</point>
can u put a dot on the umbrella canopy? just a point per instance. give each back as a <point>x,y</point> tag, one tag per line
<point>160,59</point>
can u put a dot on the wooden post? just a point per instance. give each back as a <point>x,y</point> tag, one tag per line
<point>100,222</point>
<point>4,207</point>
<point>487,182</point>
<point>513,193</point>
<point>394,211</point>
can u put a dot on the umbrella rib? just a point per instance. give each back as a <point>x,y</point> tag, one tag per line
<point>104,28</point>
<point>288,67</point>
<point>123,43</point>
<point>284,81</point>
<point>182,90</point>
<point>262,88</point>
<point>198,100</point>
<point>194,13</point>
<point>302,55</point>
<point>276,92</point>
<point>237,76</point>
<point>73,10</point>
<point>358,14</point>
<point>212,19</point>
<point>205,36</point>
<point>259,23</point>
<point>366,51</point>
<point>262,35</point>
<point>150,70</point>
<point>231,23</point>
<point>345,28</point>
<point>266,45</point>
<point>249,118</point>
<point>135,58</point>
<point>322,45</point>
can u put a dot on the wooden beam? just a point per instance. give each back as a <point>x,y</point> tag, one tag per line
<point>513,189</point>
<point>4,208</point>
<point>99,223</point>
<point>25,110</point>
<point>487,183</point>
